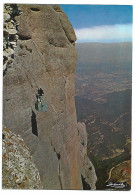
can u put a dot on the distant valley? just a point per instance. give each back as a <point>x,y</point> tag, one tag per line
<point>103,103</point>
<point>103,68</point>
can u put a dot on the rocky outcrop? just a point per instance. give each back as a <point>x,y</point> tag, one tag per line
<point>38,94</point>
<point>10,36</point>
<point>18,169</point>
<point>87,169</point>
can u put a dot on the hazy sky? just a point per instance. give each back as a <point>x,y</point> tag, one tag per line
<point>101,23</point>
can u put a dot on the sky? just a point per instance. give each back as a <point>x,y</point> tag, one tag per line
<point>100,23</point>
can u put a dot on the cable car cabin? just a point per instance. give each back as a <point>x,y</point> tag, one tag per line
<point>40,105</point>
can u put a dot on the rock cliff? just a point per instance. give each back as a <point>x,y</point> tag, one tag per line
<point>38,95</point>
<point>18,169</point>
<point>88,174</point>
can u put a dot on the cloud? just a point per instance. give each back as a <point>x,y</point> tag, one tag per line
<point>105,33</point>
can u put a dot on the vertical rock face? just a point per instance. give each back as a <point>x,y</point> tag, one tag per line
<point>44,63</point>
<point>88,174</point>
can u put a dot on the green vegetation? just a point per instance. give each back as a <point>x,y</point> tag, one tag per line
<point>102,168</point>
<point>103,138</point>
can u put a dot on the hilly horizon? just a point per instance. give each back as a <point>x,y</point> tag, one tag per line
<point>112,53</point>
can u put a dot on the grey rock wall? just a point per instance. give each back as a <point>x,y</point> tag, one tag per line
<point>87,169</point>
<point>45,59</point>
